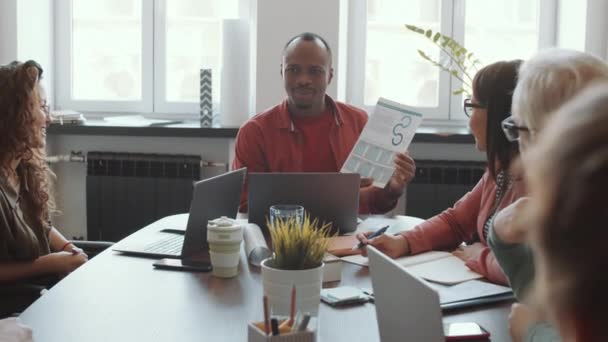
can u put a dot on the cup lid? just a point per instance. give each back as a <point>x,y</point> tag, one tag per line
<point>223,222</point>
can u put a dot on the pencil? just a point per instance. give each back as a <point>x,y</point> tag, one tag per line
<point>292,313</point>
<point>266,318</point>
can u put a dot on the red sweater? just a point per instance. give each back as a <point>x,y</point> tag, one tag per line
<point>270,142</point>
<point>453,226</point>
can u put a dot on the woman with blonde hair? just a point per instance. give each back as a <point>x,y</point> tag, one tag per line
<point>546,82</point>
<point>30,247</point>
<point>569,183</point>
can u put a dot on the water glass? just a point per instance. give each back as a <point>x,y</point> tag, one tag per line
<point>286,212</point>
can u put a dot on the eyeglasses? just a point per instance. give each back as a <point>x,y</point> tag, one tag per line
<point>468,107</point>
<point>512,130</point>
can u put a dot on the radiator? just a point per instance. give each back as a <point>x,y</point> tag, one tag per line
<point>439,184</point>
<point>126,191</point>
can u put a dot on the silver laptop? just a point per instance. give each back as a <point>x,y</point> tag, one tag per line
<point>212,198</point>
<point>331,197</point>
<point>406,308</point>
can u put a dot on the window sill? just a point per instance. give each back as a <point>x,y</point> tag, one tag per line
<point>193,129</point>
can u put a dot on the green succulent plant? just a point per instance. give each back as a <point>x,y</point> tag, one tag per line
<point>462,63</point>
<point>298,246</point>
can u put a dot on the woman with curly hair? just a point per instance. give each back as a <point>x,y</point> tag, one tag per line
<point>30,247</point>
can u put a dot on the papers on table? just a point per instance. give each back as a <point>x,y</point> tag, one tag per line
<point>390,129</point>
<point>398,223</point>
<point>65,117</point>
<point>435,266</point>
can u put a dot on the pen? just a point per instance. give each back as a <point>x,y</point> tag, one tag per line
<point>376,233</point>
<point>292,312</point>
<point>266,320</point>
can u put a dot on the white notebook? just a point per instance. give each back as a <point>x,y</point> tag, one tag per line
<point>435,266</point>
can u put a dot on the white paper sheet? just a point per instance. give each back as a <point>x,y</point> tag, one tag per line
<point>390,129</point>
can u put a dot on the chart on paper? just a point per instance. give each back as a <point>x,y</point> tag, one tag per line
<point>390,129</point>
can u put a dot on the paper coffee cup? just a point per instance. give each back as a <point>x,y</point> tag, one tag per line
<point>224,236</point>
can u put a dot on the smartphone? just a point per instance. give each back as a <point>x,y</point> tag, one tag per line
<point>464,331</point>
<point>180,265</point>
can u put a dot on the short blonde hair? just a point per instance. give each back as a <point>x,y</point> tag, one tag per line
<point>568,186</point>
<point>550,79</point>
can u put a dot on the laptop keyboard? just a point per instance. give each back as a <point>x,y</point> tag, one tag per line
<point>171,245</point>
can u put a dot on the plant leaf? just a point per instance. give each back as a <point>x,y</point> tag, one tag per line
<point>414,28</point>
<point>436,37</point>
<point>458,91</point>
<point>428,33</point>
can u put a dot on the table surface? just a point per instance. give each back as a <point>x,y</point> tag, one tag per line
<point>115,297</point>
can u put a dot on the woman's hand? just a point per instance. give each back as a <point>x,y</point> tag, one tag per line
<point>62,262</point>
<point>391,245</point>
<point>465,253</point>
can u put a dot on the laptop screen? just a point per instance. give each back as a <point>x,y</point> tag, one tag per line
<point>330,197</point>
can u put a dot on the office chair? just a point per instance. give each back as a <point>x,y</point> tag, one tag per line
<point>16,297</point>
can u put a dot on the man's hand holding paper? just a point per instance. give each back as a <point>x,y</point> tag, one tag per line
<point>380,153</point>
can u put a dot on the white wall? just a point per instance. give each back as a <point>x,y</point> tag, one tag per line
<point>275,21</point>
<point>583,25</point>
<point>26,32</point>
<point>35,38</point>
<point>8,31</point>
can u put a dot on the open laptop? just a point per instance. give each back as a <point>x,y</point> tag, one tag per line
<point>212,198</point>
<point>407,309</point>
<point>331,197</point>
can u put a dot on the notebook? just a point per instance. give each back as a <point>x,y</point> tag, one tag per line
<point>343,245</point>
<point>435,266</point>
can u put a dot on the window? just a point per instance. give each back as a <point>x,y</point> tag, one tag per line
<point>138,55</point>
<point>492,29</point>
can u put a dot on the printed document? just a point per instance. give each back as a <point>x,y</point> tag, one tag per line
<point>390,129</point>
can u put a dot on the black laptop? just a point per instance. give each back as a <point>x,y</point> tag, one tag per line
<point>212,198</point>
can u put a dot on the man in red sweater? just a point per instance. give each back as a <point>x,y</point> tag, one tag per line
<point>309,131</point>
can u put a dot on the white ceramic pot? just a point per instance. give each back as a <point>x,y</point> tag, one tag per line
<point>278,284</point>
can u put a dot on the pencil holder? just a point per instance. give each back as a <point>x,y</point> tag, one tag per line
<point>254,334</point>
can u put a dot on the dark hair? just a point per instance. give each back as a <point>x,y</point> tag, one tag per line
<point>493,87</point>
<point>309,37</point>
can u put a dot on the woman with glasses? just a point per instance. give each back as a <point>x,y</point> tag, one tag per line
<point>30,247</point>
<point>468,220</point>
<point>546,82</point>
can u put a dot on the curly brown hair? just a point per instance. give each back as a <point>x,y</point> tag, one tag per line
<point>22,137</point>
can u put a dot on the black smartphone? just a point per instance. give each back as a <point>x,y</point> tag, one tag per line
<point>464,331</point>
<point>178,264</point>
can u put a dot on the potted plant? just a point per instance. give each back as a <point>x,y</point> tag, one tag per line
<point>297,261</point>
<point>462,63</point>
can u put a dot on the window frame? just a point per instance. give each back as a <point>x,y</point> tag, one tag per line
<point>153,82</point>
<point>63,65</point>
<point>448,112</point>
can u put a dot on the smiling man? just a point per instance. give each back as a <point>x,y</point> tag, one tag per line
<point>309,131</point>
